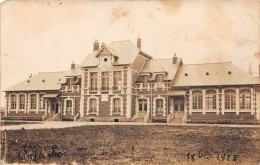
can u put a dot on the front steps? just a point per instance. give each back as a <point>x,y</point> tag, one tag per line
<point>139,117</point>
<point>33,116</point>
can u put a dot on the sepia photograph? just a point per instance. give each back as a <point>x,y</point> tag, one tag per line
<point>130,82</point>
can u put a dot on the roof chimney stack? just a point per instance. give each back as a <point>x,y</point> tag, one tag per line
<point>174,59</point>
<point>139,42</point>
<point>96,45</point>
<point>72,65</point>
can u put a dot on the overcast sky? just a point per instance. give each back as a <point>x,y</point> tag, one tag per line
<point>40,35</point>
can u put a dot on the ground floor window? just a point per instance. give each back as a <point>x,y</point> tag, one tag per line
<point>245,99</point>
<point>93,106</point>
<point>42,102</point>
<point>230,99</point>
<point>22,102</point>
<point>69,106</point>
<point>13,102</point>
<point>143,105</point>
<point>116,105</point>
<point>197,99</point>
<point>211,98</point>
<point>159,106</point>
<point>33,101</point>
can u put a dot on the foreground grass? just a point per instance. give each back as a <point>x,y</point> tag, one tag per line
<point>138,144</point>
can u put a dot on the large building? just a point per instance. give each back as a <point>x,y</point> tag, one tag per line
<point>120,82</point>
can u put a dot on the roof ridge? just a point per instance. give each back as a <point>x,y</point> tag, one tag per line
<point>207,63</point>
<point>53,72</point>
<point>120,41</point>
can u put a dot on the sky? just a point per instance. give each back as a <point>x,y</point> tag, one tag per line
<point>46,36</point>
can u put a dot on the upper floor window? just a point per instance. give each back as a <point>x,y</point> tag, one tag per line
<point>93,106</point>
<point>211,98</point>
<point>197,99</point>
<point>117,80</point>
<point>42,102</point>
<point>69,83</point>
<point>22,102</point>
<point>105,80</point>
<point>230,99</point>
<point>13,102</point>
<point>33,101</point>
<point>245,99</point>
<point>93,81</point>
<point>69,106</point>
<point>144,80</point>
<point>159,80</point>
<point>116,105</point>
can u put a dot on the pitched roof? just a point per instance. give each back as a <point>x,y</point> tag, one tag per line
<point>212,74</point>
<point>74,72</point>
<point>126,52</point>
<point>52,81</point>
<point>162,65</point>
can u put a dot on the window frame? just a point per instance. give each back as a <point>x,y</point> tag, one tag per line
<point>42,102</point>
<point>105,81</point>
<point>93,81</point>
<point>245,99</point>
<point>33,101</point>
<point>211,100</point>
<point>117,106</point>
<point>117,80</point>
<point>230,99</point>
<point>13,102</point>
<point>22,102</point>
<point>197,100</point>
<point>68,106</point>
<point>159,107</point>
<point>92,107</point>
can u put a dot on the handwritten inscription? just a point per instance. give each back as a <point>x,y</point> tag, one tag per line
<point>219,156</point>
<point>34,152</point>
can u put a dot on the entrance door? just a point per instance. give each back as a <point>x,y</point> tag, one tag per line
<point>57,108</point>
<point>178,107</point>
<point>142,105</point>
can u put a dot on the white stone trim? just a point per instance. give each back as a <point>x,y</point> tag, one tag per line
<point>191,102</point>
<point>252,99</point>
<point>137,103</point>
<point>88,104</point>
<point>128,91</point>
<point>237,101</point>
<point>81,109</point>
<point>217,101</point>
<point>154,104</point>
<point>111,104</point>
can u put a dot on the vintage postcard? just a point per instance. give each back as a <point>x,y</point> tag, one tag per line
<point>130,82</point>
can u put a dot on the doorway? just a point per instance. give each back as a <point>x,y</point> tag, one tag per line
<point>178,107</point>
<point>142,105</point>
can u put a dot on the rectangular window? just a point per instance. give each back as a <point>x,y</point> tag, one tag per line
<point>117,80</point>
<point>93,81</point>
<point>42,102</point>
<point>145,81</point>
<point>117,105</point>
<point>69,106</point>
<point>93,106</point>
<point>22,102</point>
<point>105,81</point>
<point>69,84</point>
<point>159,106</point>
<point>160,79</point>
<point>33,101</point>
<point>13,102</point>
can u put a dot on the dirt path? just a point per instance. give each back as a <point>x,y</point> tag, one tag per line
<point>64,124</point>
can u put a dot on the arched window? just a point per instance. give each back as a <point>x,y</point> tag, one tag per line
<point>42,102</point>
<point>22,102</point>
<point>116,105</point>
<point>33,101</point>
<point>13,102</point>
<point>69,106</point>
<point>93,106</point>
<point>211,98</point>
<point>245,99</point>
<point>197,99</point>
<point>230,99</point>
<point>159,106</point>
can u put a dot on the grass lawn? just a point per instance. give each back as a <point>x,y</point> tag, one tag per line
<point>138,144</point>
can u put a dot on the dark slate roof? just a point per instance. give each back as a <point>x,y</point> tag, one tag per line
<point>162,65</point>
<point>212,74</point>
<point>126,52</point>
<point>41,81</point>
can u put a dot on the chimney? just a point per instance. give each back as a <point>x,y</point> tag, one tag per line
<point>96,45</point>
<point>139,42</point>
<point>72,65</point>
<point>174,59</point>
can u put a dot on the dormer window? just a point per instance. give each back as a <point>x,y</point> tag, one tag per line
<point>69,83</point>
<point>105,59</point>
<point>229,72</point>
<point>159,80</point>
<point>207,73</point>
<point>186,74</point>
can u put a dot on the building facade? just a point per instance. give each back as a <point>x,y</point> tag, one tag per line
<point>120,82</point>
